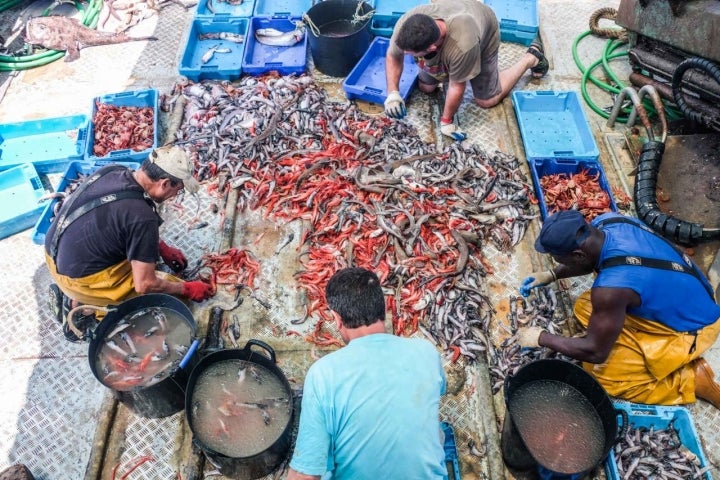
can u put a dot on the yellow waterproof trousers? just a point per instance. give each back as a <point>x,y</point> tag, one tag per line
<point>106,287</point>
<point>649,362</point>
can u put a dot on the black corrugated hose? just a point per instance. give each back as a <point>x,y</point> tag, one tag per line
<point>693,63</point>
<point>646,205</point>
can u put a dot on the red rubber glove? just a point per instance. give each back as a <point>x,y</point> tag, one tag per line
<point>172,257</point>
<point>197,290</point>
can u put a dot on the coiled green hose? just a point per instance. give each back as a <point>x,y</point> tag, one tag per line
<point>10,63</point>
<point>608,55</point>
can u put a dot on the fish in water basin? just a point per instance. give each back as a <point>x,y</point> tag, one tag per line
<point>63,33</point>
<point>276,38</point>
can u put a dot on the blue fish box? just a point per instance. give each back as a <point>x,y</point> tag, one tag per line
<point>135,99</point>
<point>660,418</point>
<point>73,171</point>
<point>539,168</point>
<point>219,8</point>
<point>48,143</point>
<point>282,8</point>
<point>387,13</point>
<point>366,81</point>
<point>518,19</point>
<point>451,456</point>
<point>20,191</point>
<point>259,58</point>
<point>553,125</point>
<point>221,66</point>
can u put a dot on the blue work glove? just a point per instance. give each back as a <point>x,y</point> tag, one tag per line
<point>395,105</point>
<point>451,130</point>
<point>536,279</point>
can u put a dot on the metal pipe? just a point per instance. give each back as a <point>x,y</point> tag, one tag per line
<point>659,107</point>
<point>637,104</point>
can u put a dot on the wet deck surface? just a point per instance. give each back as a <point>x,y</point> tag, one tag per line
<point>57,419</point>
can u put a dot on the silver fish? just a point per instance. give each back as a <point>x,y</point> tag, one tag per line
<point>207,56</point>
<point>228,36</point>
<point>276,38</point>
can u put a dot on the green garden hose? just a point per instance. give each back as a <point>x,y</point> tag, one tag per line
<point>10,63</point>
<point>608,54</point>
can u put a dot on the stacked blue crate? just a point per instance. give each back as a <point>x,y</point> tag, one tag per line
<point>519,21</point>
<point>387,13</point>
<point>20,192</point>
<point>557,139</point>
<point>48,143</point>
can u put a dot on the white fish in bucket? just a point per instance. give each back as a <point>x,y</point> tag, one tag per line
<point>276,38</point>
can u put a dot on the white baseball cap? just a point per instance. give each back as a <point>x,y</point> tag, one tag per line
<point>176,162</point>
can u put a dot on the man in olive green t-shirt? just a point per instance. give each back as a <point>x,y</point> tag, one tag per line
<point>455,41</point>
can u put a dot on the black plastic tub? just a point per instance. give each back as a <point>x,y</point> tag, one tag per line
<point>268,460</point>
<point>337,42</point>
<point>514,449</point>
<point>167,396</point>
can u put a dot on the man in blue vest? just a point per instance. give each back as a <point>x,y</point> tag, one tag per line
<point>649,315</point>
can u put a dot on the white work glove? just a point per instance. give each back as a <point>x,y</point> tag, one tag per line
<point>452,131</point>
<point>395,105</point>
<point>536,279</point>
<point>529,337</point>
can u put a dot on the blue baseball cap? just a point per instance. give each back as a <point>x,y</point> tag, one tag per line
<point>562,233</point>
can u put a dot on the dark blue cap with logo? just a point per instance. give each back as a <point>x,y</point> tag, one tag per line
<point>562,233</point>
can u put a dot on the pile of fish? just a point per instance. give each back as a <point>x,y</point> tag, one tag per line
<point>644,453</point>
<point>538,310</point>
<point>371,193</point>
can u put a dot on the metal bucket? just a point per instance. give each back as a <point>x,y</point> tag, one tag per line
<point>338,39</point>
<point>266,461</point>
<point>166,396</point>
<point>538,431</point>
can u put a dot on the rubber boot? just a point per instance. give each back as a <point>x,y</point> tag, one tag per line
<point>705,386</point>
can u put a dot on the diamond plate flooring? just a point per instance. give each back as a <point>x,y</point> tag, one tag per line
<point>52,403</point>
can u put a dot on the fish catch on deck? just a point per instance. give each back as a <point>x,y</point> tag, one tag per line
<point>63,33</point>
<point>277,38</point>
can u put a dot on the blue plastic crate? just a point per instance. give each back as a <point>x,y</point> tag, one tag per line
<point>516,15</point>
<point>72,172</point>
<point>553,124</point>
<point>259,58</point>
<point>222,66</point>
<point>20,191</point>
<point>387,13</point>
<point>550,166</point>
<point>517,36</point>
<point>220,8</point>
<point>366,80</point>
<point>383,25</point>
<point>659,417</point>
<point>136,98</point>
<point>281,8</point>
<point>48,143</point>
<point>451,456</point>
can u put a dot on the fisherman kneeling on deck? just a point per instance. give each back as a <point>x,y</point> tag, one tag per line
<point>104,243</point>
<point>649,315</point>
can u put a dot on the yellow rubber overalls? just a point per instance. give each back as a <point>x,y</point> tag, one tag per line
<point>649,362</point>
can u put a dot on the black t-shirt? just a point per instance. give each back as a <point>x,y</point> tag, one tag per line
<point>107,235</point>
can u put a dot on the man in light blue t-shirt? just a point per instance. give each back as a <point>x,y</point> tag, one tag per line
<point>370,410</point>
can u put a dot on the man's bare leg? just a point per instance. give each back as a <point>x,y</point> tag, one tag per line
<point>508,78</point>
